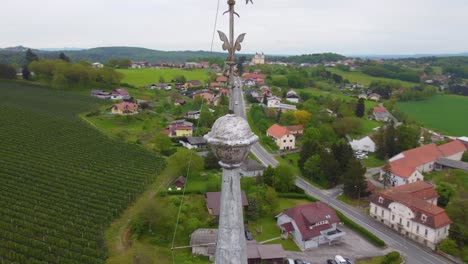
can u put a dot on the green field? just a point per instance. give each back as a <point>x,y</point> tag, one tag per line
<point>445,113</point>
<point>359,77</point>
<point>145,77</point>
<point>61,181</point>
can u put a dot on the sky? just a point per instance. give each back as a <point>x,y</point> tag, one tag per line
<point>282,27</point>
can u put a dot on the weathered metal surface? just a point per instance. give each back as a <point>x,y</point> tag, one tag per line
<point>231,138</point>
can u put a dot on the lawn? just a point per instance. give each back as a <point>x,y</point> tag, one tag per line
<point>269,228</point>
<point>359,77</point>
<point>444,113</point>
<point>373,161</point>
<point>316,93</point>
<point>145,77</point>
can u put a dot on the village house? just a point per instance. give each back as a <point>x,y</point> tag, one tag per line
<point>249,82</point>
<point>193,142</point>
<point>292,97</point>
<point>179,183</point>
<point>273,102</point>
<point>203,243</point>
<point>222,79</point>
<point>374,97</point>
<point>408,166</point>
<point>125,108</point>
<point>283,138</point>
<point>251,168</point>
<point>179,128</point>
<point>119,94</point>
<point>216,85</point>
<point>192,84</point>
<point>258,78</point>
<point>101,94</point>
<point>381,114</point>
<point>179,102</point>
<point>296,130</point>
<point>412,211</point>
<point>193,114</point>
<point>311,225</point>
<point>139,64</point>
<point>213,202</point>
<point>363,144</point>
<point>161,86</point>
<point>97,65</point>
<point>205,94</point>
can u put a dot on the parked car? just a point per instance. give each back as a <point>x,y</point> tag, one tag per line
<point>248,235</point>
<point>348,261</point>
<point>340,260</point>
<point>288,261</point>
<point>331,261</point>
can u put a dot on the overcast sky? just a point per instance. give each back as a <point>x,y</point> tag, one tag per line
<point>272,26</point>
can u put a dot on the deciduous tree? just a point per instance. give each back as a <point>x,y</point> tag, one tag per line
<point>360,108</point>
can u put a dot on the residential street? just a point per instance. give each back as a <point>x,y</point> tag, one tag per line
<point>413,252</point>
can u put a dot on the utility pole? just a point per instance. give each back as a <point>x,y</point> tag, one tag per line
<point>231,139</point>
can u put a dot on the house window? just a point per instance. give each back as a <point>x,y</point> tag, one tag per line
<point>284,141</point>
<point>423,217</point>
<point>425,232</point>
<point>400,221</point>
<point>417,229</point>
<point>446,230</point>
<point>382,213</point>
<point>393,217</point>
<point>407,223</point>
<point>290,140</point>
<point>375,210</point>
<point>380,199</point>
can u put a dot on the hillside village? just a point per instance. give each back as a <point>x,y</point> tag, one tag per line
<point>334,140</point>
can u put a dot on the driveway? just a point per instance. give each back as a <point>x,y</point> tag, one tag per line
<point>352,246</point>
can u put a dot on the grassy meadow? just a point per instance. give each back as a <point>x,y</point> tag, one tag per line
<point>444,113</point>
<point>359,77</point>
<point>145,77</point>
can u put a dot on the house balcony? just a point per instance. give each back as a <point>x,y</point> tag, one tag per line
<point>333,234</point>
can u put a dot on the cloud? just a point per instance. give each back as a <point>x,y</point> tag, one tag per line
<point>272,26</point>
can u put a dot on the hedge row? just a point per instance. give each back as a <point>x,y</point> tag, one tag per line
<point>361,230</point>
<point>297,196</point>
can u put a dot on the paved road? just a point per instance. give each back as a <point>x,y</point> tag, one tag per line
<point>413,252</point>
<point>239,109</point>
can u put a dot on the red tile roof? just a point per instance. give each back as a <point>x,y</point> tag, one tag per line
<point>307,215</point>
<point>278,131</point>
<point>126,106</point>
<point>412,195</point>
<point>379,109</point>
<point>120,91</point>
<point>452,148</point>
<point>295,128</point>
<point>221,79</point>
<point>416,157</point>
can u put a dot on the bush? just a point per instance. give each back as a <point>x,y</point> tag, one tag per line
<point>361,230</point>
<point>449,246</point>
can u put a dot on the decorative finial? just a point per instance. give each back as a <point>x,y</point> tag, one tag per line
<point>247,1</point>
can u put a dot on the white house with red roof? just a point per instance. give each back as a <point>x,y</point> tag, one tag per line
<point>411,210</point>
<point>283,138</point>
<point>311,224</point>
<point>408,166</point>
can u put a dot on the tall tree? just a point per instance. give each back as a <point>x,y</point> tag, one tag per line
<point>360,108</point>
<point>407,137</point>
<point>64,57</point>
<point>331,168</point>
<point>283,179</point>
<point>446,192</point>
<point>211,161</point>
<point>355,184</point>
<point>268,175</point>
<point>31,56</point>
<point>26,73</point>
